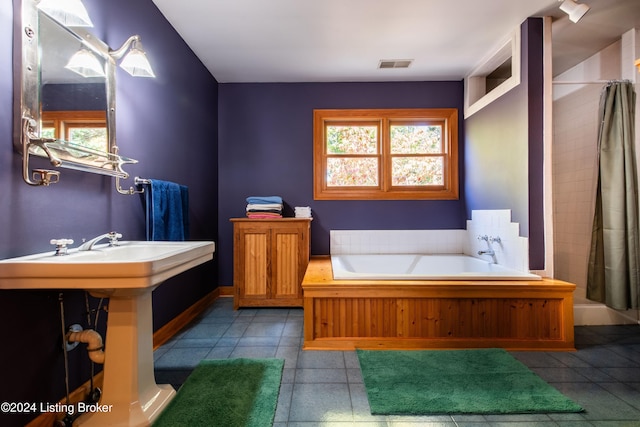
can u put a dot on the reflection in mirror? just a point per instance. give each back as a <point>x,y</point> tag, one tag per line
<point>85,128</point>
<point>73,107</point>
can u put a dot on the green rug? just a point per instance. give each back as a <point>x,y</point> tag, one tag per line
<point>226,393</point>
<point>486,381</point>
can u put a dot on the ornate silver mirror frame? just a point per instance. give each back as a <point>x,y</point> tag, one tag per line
<point>28,138</point>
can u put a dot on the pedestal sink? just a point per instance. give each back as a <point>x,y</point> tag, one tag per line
<point>126,274</point>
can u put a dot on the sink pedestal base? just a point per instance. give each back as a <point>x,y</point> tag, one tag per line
<point>130,395</point>
<point>126,274</point>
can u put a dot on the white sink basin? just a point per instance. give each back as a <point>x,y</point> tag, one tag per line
<point>126,274</point>
<point>104,270</point>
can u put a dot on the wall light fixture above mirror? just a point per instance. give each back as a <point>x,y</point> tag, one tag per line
<point>64,91</point>
<point>135,60</point>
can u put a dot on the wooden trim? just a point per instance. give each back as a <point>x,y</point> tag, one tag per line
<point>160,336</point>
<point>226,291</point>
<point>167,331</point>
<point>47,419</point>
<point>63,121</point>
<point>80,116</point>
<point>448,117</point>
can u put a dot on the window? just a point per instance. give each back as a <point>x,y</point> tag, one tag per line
<point>87,128</point>
<point>385,154</point>
<point>496,76</point>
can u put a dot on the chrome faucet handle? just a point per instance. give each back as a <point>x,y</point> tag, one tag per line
<point>113,238</point>
<point>61,245</point>
<point>495,239</point>
<point>485,238</point>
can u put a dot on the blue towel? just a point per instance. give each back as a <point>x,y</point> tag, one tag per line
<point>168,214</point>
<point>259,200</point>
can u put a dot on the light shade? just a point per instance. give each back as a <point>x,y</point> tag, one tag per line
<point>70,13</point>
<point>136,63</point>
<point>86,64</point>
<point>638,64</point>
<point>574,10</point>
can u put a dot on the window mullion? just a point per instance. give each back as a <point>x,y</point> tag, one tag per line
<point>385,155</point>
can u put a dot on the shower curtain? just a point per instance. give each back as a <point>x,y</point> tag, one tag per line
<point>614,262</point>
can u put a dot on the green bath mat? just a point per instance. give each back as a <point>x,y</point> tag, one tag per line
<point>486,381</point>
<point>226,393</point>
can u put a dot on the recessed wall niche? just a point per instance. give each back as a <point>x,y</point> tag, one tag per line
<point>496,75</point>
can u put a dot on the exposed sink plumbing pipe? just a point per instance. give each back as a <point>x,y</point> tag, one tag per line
<point>95,348</point>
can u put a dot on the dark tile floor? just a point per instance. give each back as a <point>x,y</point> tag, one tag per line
<point>324,388</point>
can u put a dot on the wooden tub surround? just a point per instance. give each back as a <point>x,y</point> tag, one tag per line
<point>405,314</point>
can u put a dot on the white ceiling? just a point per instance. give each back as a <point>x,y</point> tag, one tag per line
<point>344,40</point>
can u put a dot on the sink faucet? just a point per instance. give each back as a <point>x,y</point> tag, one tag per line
<point>112,236</point>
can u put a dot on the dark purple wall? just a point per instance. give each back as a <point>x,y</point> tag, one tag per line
<point>504,149</point>
<point>266,148</point>
<point>170,125</point>
<point>533,33</point>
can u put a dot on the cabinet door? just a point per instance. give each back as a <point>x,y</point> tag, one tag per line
<point>288,249</point>
<point>253,263</point>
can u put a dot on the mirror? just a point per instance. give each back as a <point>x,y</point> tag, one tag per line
<point>60,114</point>
<point>73,107</point>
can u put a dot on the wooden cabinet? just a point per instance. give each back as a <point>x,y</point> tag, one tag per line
<point>270,257</point>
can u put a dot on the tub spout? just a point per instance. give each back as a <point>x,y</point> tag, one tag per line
<point>93,341</point>
<point>487,252</point>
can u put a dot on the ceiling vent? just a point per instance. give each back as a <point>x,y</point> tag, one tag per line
<point>395,63</point>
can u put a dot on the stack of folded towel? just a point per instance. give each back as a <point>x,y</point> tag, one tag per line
<point>302,211</point>
<point>264,207</point>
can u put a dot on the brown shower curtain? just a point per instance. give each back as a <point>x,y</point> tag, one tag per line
<point>614,261</point>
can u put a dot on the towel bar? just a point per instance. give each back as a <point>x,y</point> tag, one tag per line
<point>131,191</point>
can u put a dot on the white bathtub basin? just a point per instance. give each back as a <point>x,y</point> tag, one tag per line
<point>127,268</point>
<point>421,267</point>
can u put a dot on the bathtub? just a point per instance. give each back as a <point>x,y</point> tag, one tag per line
<point>421,267</point>
<point>468,308</point>
<point>529,313</point>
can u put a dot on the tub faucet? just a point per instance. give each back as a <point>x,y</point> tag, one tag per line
<point>487,252</point>
<point>112,236</point>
